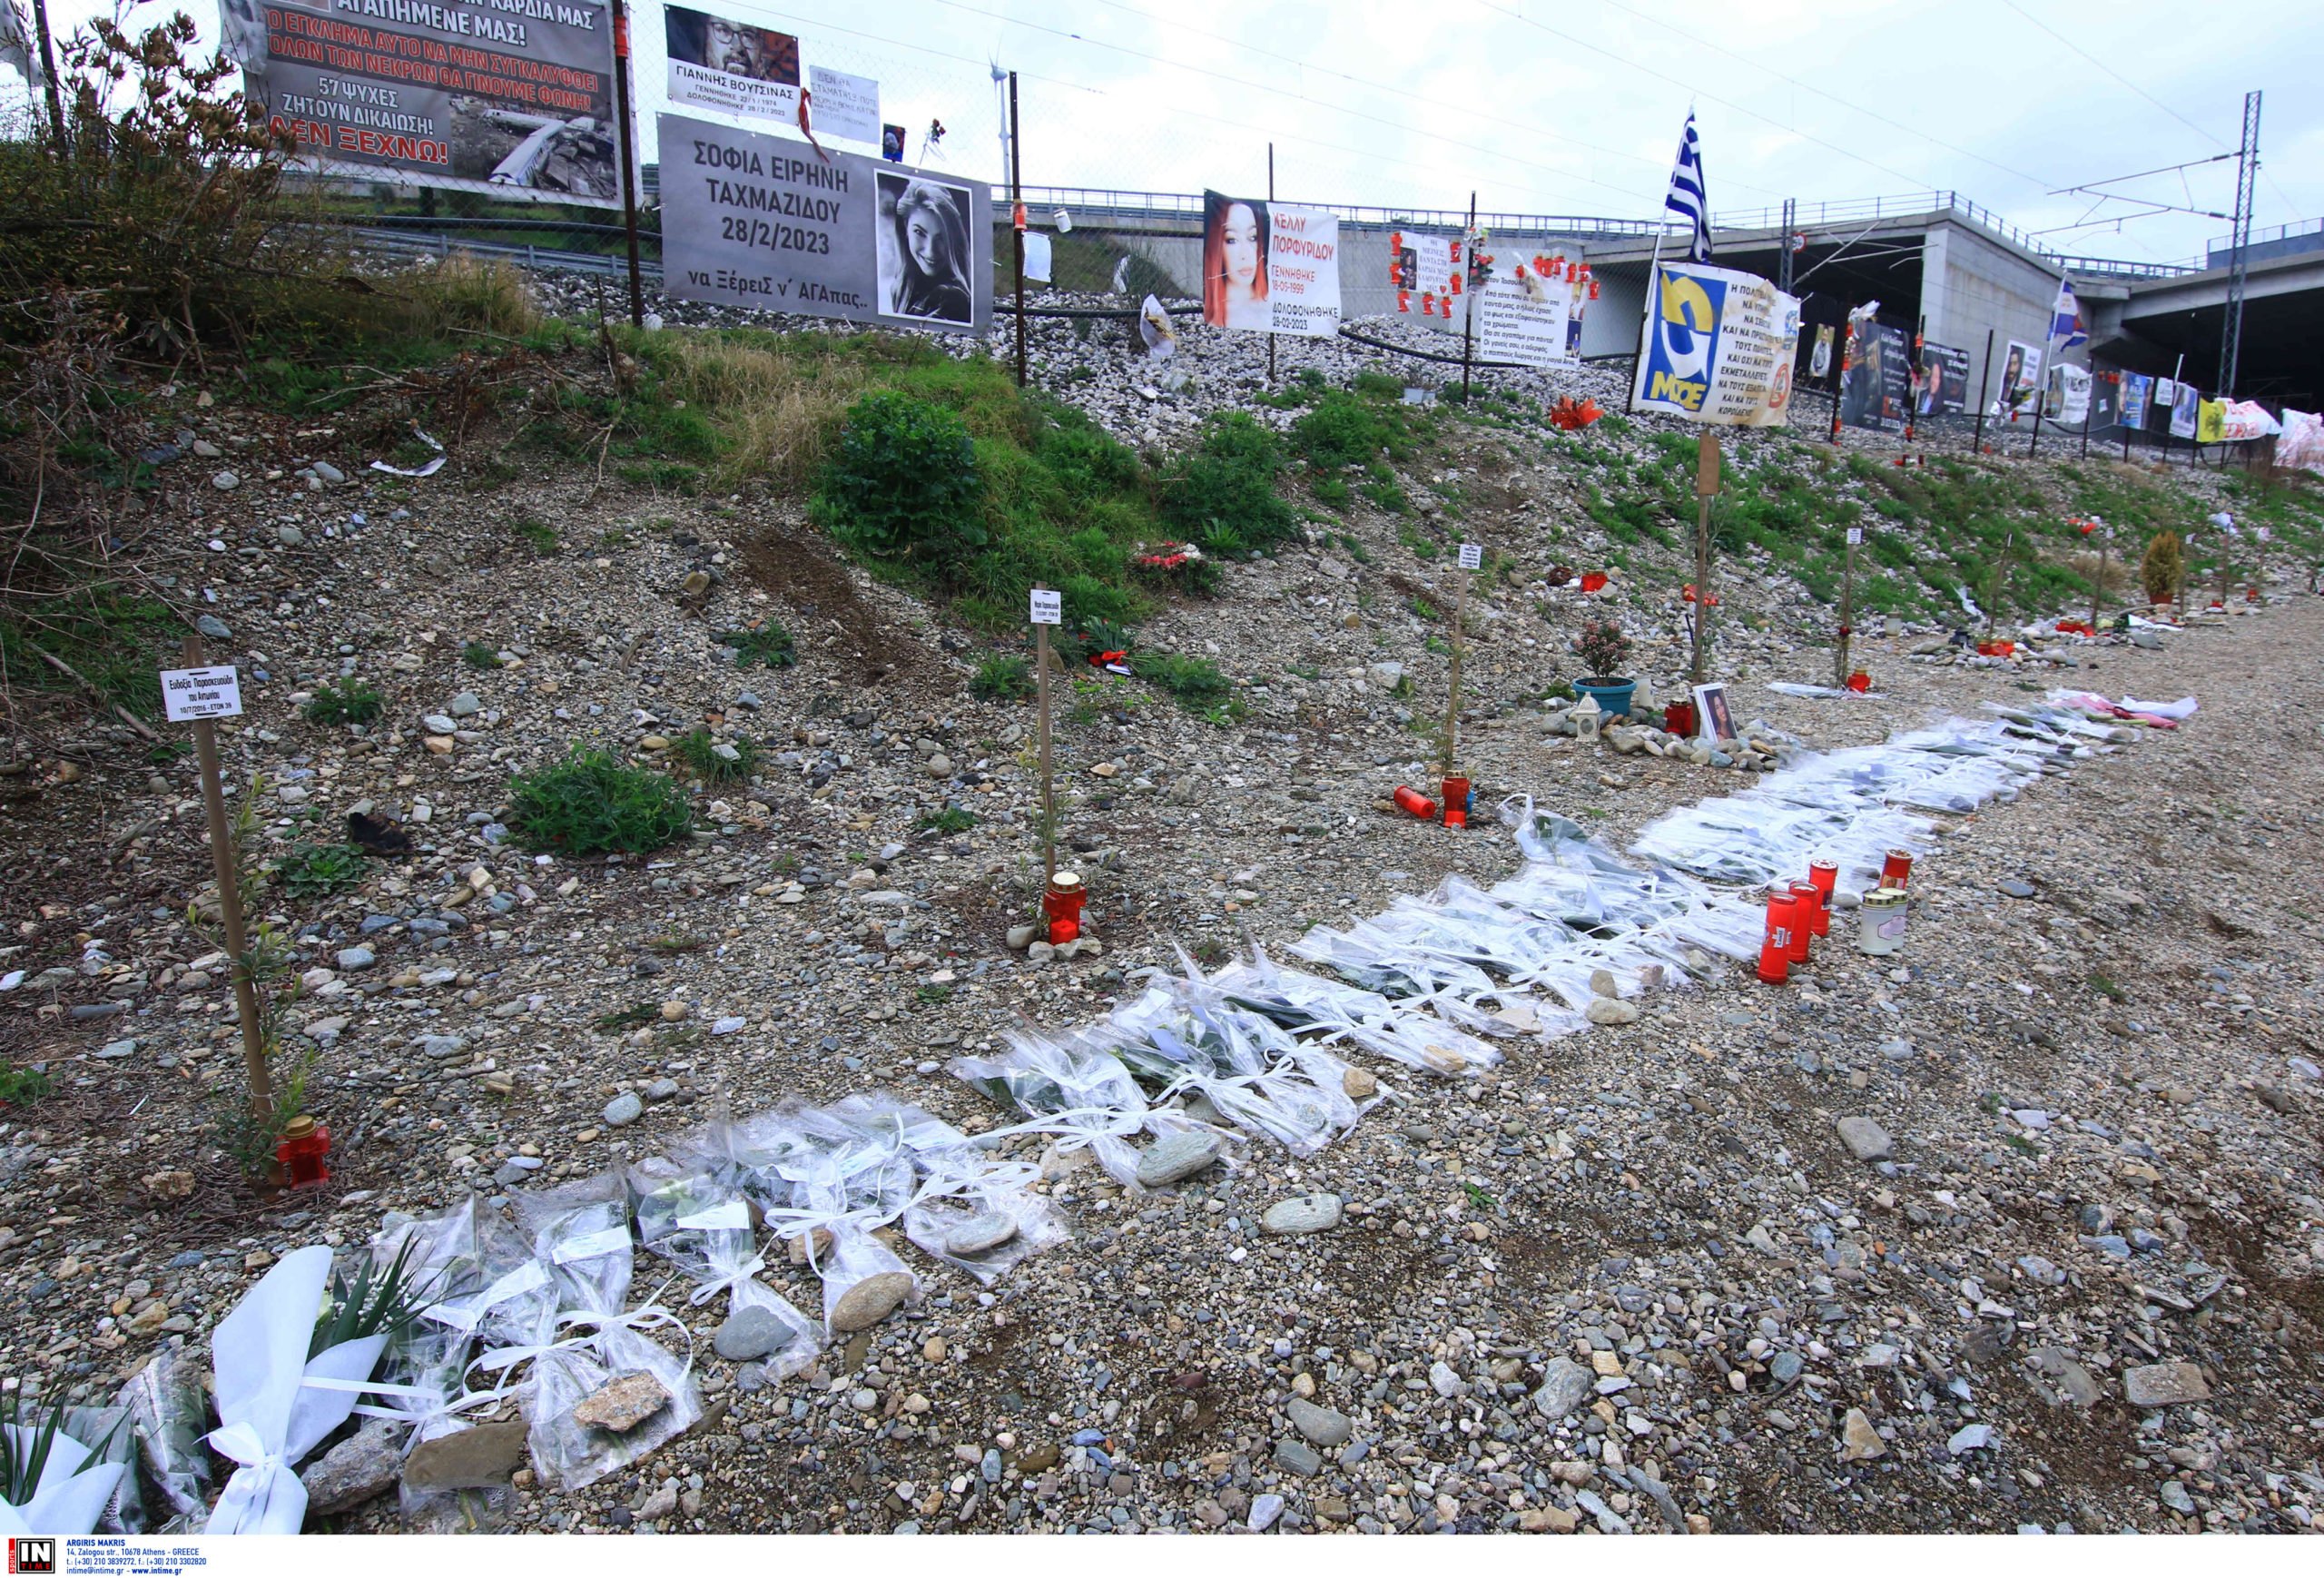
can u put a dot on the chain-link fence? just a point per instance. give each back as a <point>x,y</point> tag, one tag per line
<point>1111,245</point>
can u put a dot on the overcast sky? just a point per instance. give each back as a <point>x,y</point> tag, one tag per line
<point>1566,109</point>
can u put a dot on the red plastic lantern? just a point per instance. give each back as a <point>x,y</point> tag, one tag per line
<point>1415,803</point>
<point>300,1152</point>
<point>1859,682</point>
<point>1816,919</point>
<point>1062,906</point>
<point>1456,802</point>
<point>1774,947</point>
<point>1896,869</point>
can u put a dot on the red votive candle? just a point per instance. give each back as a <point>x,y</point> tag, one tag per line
<point>1775,949</point>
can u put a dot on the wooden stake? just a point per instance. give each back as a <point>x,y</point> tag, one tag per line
<point>229,909</point>
<point>1453,690</point>
<point>1706,489</point>
<point>1848,612</point>
<point>1048,790</point>
<point>2098,586</point>
<point>1263,242</point>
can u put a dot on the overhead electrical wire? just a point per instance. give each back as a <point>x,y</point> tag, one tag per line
<point>1622,59</point>
<point>1697,41</point>
<point>1370,155</point>
<point>1399,129</point>
<point>1400,92</point>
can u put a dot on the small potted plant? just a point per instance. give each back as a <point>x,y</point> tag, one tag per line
<point>1605,652</point>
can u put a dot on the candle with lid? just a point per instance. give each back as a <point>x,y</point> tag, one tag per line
<point>301,1149</point>
<point>1775,947</point>
<point>1062,906</point>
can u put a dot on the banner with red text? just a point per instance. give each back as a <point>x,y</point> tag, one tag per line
<point>510,97</point>
<point>1269,267</point>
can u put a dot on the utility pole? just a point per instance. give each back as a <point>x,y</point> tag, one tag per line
<point>628,162</point>
<point>1783,246</point>
<point>1017,239</point>
<point>2247,172</point>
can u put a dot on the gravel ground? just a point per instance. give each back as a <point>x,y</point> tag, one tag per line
<point>1635,1278</point>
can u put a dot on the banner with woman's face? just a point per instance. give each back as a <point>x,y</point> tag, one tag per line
<point>1268,268</point>
<point>751,220</point>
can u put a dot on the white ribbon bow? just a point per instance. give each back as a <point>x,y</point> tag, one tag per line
<point>270,1415</point>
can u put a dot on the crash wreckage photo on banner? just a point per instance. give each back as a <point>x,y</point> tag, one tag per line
<point>513,101</point>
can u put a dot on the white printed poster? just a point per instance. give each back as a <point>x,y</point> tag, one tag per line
<point>1521,317</point>
<point>1716,347</point>
<point>843,104</point>
<point>1270,268</point>
<point>2067,399</point>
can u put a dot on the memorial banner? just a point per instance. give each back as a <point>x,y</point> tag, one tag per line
<point>2183,410</point>
<point>479,95</point>
<point>1269,267</point>
<point>1421,267</point>
<point>1941,382</point>
<point>751,220</point>
<point>2021,380</point>
<point>717,64</point>
<point>1877,380</point>
<point>1522,318</point>
<point>2302,444</point>
<point>1716,347</point>
<point>2066,399</point>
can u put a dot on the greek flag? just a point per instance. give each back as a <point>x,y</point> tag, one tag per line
<point>2065,318</point>
<point>1687,199</point>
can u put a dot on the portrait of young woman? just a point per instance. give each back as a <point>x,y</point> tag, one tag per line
<point>1234,264</point>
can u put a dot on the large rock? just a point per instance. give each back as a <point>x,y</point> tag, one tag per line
<point>1324,1426</point>
<point>2161,1386</point>
<point>364,1465</point>
<point>1611,1010</point>
<point>1865,1138</point>
<point>473,1459</point>
<point>1316,1213</point>
<point>751,1332</point>
<point>1859,1442</point>
<point>622,1404</point>
<point>870,1301</point>
<point>1565,1387</point>
<point>1176,1156</point>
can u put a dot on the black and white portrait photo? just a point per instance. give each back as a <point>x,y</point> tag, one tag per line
<point>924,255</point>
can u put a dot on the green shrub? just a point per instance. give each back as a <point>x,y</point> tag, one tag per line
<point>952,819</point>
<point>1003,676</point>
<point>477,654</point>
<point>1088,637</point>
<point>700,750</point>
<point>1387,384</point>
<point>22,1086</point>
<point>1229,481</point>
<point>1340,430</point>
<point>769,644</point>
<point>312,871</point>
<point>1195,681</point>
<point>905,482</point>
<point>539,534</point>
<point>351,703</point>
<point>590,803</point>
